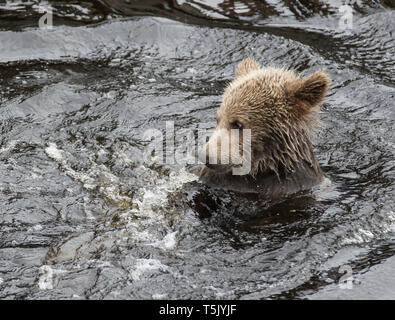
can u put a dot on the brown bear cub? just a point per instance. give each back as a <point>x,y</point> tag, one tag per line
<point>279,108</point>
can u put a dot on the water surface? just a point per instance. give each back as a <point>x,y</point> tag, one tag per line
<point>83,216</point>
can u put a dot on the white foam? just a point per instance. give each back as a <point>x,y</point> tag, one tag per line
<point>145,265</point>
<point>167,243</point>
<point>46,279</point>
<point>325,190</point>
<point>391,218</point>
<point>149,199</point>
<point>37,227</point>
<point>380,229</point>
<point>159,296</point>
<point>53,152</point>
<point>192,70</point>
<point>220,293</point>
<point>9,146</point>
<point>366,233</point>
<point>152,202</point>
<point>109,187</point>
<point>45,282</point>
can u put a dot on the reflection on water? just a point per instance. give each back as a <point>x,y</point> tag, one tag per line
<point>84,217</point>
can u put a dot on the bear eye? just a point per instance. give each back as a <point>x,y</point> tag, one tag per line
<point>236,125</point>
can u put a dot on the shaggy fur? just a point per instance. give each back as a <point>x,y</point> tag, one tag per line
<point>279,107</point>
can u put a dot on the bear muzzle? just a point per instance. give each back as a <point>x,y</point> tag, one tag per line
<point>222,153</point>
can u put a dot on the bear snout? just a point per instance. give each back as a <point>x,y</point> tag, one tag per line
<point>205,158</point>
<point>211,152</point>
<point>221,152</point>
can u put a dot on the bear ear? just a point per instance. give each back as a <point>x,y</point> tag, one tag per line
<point>311,89</point>
<point>246,66</point>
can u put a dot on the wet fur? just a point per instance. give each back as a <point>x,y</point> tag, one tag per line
<point>280,109</point>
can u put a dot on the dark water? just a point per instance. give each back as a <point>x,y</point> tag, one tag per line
<point>82,215</point>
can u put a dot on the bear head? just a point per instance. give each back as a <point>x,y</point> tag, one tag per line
<point>265,121</point>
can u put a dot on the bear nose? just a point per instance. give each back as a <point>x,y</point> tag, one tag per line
<point>205,159</point>
<point>203,156</point>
